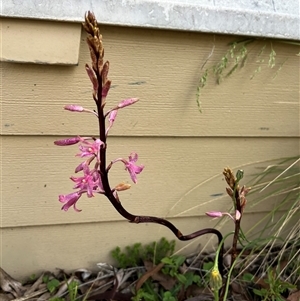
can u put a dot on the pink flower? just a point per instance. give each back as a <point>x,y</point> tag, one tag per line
<point>91,149</point>
<point>98,183</point>
<point>132,168</point>
<point>85,183</point>
<point>80,166</point>
<point>220,214</point>
<point>69,200</point>
<point>90,182</point>
<point>130,165</point>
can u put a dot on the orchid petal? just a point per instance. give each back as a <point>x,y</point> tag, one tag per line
<point>132,168</point>
<point>69,200</point>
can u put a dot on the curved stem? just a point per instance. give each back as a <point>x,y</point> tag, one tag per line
<point>152,219</point>
<point>97,52</point>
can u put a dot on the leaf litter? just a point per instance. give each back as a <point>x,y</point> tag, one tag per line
<point>111,283</point>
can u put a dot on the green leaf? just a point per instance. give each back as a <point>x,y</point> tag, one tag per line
<point>196,279</point>
<point>173,273</point>
<point>167,260</point>
<point>168,297</point>
<point>52,285</point>
<point>181,278</point>
<point>189,279</point>
<point>45,278</point>
<point>258,292</point>
<point>208,265</point>
<point>247,277</point>
<point>73,289</point>
<point>179,260</point>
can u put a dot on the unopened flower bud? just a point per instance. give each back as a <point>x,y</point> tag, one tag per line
<point>229,177</point>
<point>214,213</point>
<point>245,190</point>
<point>92,77</point>
<point>243,202</point>
<point>112,116</point>
<point>239,174</point>
<point>237,215</point>
<point>122,186</point>
<point>68,141</point>
<point>127,102</point>
<point>106,88</point>
<point>215,281</point>
<point>74,108</point>
<point>229,191</point>
<point>104,72</point>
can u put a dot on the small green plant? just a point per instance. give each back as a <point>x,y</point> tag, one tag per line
<point>168,297</point>
<point>73,290</point>
<point>159,253</point>
<point>172,265</point>
<point>276,287</point>
<point>134,255</point>
<point>143,295</point>
<point>180,281</point>
<point>52,284</point>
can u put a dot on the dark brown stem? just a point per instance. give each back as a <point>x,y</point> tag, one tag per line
<point>237,225</point>
<point>152,219</point>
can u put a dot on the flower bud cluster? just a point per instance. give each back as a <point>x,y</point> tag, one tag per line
<point>237,194</point>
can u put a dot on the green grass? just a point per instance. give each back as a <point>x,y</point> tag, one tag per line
<point>236,57</point>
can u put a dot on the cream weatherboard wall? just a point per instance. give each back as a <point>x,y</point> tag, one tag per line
<point>243,121</point>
